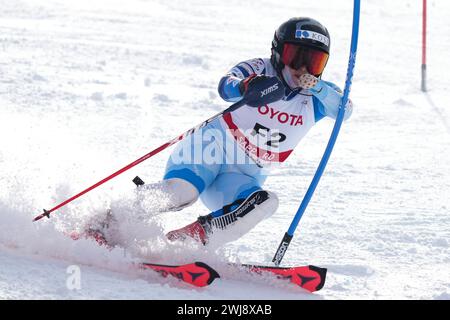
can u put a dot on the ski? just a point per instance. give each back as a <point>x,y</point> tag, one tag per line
<point>310,278</point>
<point>198,274</point>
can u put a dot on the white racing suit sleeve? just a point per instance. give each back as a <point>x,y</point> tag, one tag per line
<point>229,84</point>
<point>329,96</point>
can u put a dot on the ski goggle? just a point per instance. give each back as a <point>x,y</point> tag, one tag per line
<point>296,56</point>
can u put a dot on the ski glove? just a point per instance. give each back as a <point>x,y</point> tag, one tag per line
<point>259,90</point>
<point>307,81</point>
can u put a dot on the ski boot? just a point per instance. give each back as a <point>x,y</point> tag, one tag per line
<point>97,229</point>
<point>231,222</point>
<point>197,230</point>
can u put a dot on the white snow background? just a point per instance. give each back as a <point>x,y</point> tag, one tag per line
<point>87,87</point>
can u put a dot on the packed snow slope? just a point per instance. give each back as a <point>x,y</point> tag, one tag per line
<point>87,87</point>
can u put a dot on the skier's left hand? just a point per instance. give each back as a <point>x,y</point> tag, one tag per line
<point>307,81</point>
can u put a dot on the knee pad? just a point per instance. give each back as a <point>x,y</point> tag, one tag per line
<point>177,193</point>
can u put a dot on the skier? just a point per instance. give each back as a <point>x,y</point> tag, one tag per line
<point>248,141</point>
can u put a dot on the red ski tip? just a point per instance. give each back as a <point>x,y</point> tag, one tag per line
<point>310,278</point>
<point>198,274</point>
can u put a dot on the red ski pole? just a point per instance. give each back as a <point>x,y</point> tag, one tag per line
<point>266,92</point>
<point>46,213</point>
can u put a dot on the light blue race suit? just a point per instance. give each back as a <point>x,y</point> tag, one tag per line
<point>226,160</point>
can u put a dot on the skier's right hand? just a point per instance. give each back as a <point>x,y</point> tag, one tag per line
<point>259,90</point>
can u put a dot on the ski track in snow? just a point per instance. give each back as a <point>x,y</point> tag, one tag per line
<point>87,87</point>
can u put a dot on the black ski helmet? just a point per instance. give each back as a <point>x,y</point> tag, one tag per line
<point>299,30</point>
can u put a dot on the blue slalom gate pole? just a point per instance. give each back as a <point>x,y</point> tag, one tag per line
<point>337,126</point>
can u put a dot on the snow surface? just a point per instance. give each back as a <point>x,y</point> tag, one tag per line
<point>87,87</point>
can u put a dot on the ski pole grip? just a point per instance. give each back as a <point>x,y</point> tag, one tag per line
<point>282,249</point>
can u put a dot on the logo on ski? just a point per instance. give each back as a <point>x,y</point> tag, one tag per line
<point>198,274</point>
<point>305,280</point>
<point>194,276</point>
